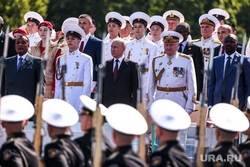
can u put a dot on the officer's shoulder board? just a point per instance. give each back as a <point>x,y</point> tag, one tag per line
<point>195,40</point>
<point>83,54</point>
<point>112,156</point>
<point>217,41</point>
<point>158,56</point>
<point>184,55</point>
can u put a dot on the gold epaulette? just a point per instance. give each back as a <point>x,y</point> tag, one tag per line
<point>158,56</point>
<point>217,41</point>
<point>83,54</point>
<point>195,40</point>
<point>186,56</point>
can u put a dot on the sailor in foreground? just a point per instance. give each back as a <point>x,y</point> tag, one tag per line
<point>228,121</point>
<point>62,151</point>
<point>89,107</point>
<point>115,23</point>
<point>126,122</point>
<point>79,69</point>
<point>172,75</point>
<point>169,118</point>
<point>33,19</point>
<point>244,148</point>
<point>141,49</point>
<point>17,150</point>
<point>208,25</point>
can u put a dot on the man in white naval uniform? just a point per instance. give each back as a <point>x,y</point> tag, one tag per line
<point>33,19</point>
<point>125,32</point>
<point>79,66</point>
<point>141,49</point>
<point>172,75</point>
<point>208,25</point>
<point>158,25</point>
<point>115,23</point>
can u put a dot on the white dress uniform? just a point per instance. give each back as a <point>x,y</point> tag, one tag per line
<point>176,81</point>
<point>34,39</point>
<point>160,47</point>
<point>107,45</point>
<point>206,44</point>
<point>135,51</point>
<point>127,39</point>
<point>78,77</point>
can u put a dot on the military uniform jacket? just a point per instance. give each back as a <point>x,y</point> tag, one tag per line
<point>160,47</point>
<point>206,44</point>
<point>221,153</point>
<point>107,46</point>
<point>180,73</point>
<point>79,69</point>
<point>124,157</point>
<point>135,51</point>
<point>244,149</point>
<point>34,39</point>
<point>170,154</point>
<point>63,152</point>
<point>18,151</point>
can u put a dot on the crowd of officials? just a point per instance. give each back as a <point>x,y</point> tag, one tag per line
<point>165,64</point>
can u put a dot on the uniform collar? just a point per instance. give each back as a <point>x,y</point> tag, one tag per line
<point>33,35</point>
<point>15,135</point>
<point>224,144</point>
<point>124,148</point>
<point>206,40</point>
<point>140,40</point>
<point>111,40</point>
<point>75,52</point>
<point>158,42</point>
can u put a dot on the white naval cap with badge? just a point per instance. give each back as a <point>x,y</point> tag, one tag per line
<point>173,15</point>
<point>59,113</point>
<point>160,21</point>
<point>126,119</point>
<point>210,20</point>
<point>140,17</point>
<point>116,18</point>
<point>74,30</point>
<point>220,14</point>
<point>169,115</point>
<point>171,36</point>
<point>33,16</point>
<point>89,106</point>
<point>229,118</point>
<point>15,108</point>
<point>70,20</point>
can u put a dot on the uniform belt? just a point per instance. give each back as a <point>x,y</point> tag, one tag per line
<point>74,84</point>
<point>165,89</point>
<point>146,69</point>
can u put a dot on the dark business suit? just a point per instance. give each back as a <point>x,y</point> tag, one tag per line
<point>217,49</point>
<point>93,48</point>
<point>124,88</point>
<point>24,81</point>
<point>197,55</point>
<point>215,85</point>
<point>11,47</point>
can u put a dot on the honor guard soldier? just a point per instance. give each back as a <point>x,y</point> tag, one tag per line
<point>17,150</point>
<point>169,118</point>
<point>244,148</point>
<point>125,32</point>
<point>228,121</point>
<point>89,107</point>
<point>172,75</point>
<point>158,25</point>
<point>115,23</point>
<point>141,49</point>
<point>126,122</point>
<point>79,69</point>
<point>33,19</point>
<point>208,25</point>
<point>62,151</point>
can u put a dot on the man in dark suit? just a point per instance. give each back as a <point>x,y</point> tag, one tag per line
<point>194,51</point>
<point>11,47</point>
<point>22,72</point>
<point>92,46</point>
<point>122,77</point>
<point>223,75</point>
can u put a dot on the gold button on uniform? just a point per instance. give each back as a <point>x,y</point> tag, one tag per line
<point>166,93</point>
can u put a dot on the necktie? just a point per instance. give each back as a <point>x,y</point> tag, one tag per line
<point>180,48</point>
<point>81,46</point>
<point>20,60</point>
<point>225,74</point>
<point>222,51</point>
<point>116,68</point>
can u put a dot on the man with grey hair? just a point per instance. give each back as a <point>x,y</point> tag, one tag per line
<point>122,77</point>
<point>11,48</point>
